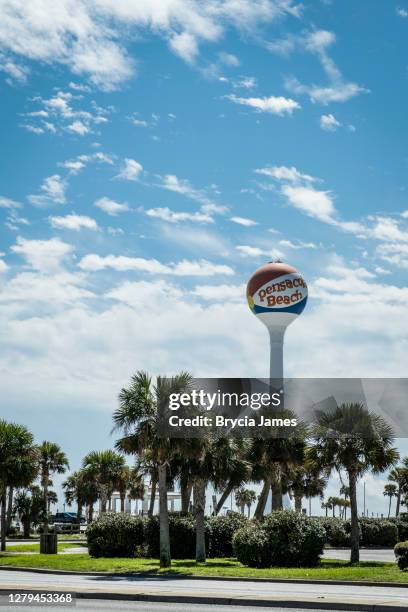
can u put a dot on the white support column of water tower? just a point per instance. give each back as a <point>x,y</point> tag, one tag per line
<point>277,295</point>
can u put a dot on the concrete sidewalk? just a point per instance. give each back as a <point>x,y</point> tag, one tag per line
<point>212,591</point>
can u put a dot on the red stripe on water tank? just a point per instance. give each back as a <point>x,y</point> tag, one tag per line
<point>266,273</point>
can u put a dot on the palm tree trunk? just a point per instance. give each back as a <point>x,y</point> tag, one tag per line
<point>165,558</point>
<point>262,499</point>
<point>397,509</point>
<point>326,511</point>
<point>90,512</point>
<point>389,507</point>
<point>223,497</point>
<point>199,511</point>
<point>122,503</point>
<point>9,508</point>
<point>152,497</point>
<point>45,500</point>
<point>355,531</point>
<point>3,518</point>
<point>186,486</point>
<point>26,527</point>
<point>78,514</point>
<point>249,510</point>
<point>298,504</point>
<point>277,500</point>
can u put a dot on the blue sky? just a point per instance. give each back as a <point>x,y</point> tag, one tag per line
<point>155,153</point>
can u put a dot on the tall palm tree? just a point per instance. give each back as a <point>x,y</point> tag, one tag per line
<point>351,438</point>
<point>304,482</point>
<point>80,488</point>
<point>104,467</point>
<point>52,461</point>
<point>399,476</point>
<point>18,464</point>
<point>390,491</point>
<point>141,407</point>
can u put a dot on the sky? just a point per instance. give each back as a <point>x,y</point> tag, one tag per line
<point>154,153</point>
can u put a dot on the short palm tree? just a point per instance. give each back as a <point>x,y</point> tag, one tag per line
<point>18,464</point>
<point>355,440</point>
<point>399,476</point>
<point>104,468</point>
<point>28,504</point>
<point>390,491</point>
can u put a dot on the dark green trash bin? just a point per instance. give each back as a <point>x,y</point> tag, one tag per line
<point>48,543</point>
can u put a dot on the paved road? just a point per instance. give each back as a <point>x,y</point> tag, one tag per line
<point>88,605</point>
<point>366,554</point>
<point>181,587</point>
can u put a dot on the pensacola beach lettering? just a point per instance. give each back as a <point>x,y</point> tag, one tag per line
<point>281,292</point>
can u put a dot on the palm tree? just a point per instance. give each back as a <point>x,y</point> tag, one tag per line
<point>141,406</point>
<point>345,490</point>
<point>52,498</point>
<point>240,499</point>
<point>390,490</point>
<point>351,438</point>
<point>18,464</point>
<point>327,505</point>
<point>233,468</point>
<point>29,505</point>
<point>304,482</point>
<point>399,476</point>
<point>273,459</point>
<point>52,461</point>
<point>79,489</point>
<point>104,467</point>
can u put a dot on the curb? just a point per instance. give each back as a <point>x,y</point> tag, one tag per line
<point>40,570</point>
<point>229,601</point>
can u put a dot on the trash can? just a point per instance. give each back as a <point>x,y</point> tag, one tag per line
<point>48,543</point>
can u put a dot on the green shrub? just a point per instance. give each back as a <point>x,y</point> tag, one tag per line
<point>402,526</point>
<point>115,535</point>
<point>337,531</point>
<point>401,553</point>
<point>222,531</point>
<point>284,539</point>
<point>182,536</point>
<point>378,532</point>
<point>251,546</point>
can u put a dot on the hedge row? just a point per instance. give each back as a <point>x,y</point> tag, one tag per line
<point>122,535</point>
<point>373,532</point>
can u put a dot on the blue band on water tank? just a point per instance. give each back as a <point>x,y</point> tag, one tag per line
<point>296,308</point>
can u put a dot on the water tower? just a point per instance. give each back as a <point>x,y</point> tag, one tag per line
<point>277,294</point>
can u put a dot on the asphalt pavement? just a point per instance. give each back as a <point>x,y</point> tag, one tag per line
<point>213,591</point>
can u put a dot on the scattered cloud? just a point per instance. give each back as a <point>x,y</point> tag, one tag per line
<point>401,12</point>
<point>8,203</point>
<point>122,263</point>
<point>313,202</point>
<point>130,170</point>
<point>285,173</point>
<point>251,251</point>
<point>329,123</point>
<point>111,207</point>
<point>43,255</point>
<point>73,222</point>
<point>217,293</point>
<point>277,105</point>
<point>165,214</point>
<point>243,221</point>
<point>75,165</point>
<point>53,190</point>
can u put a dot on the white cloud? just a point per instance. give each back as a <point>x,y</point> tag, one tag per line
<point>120,263</point>
<point>401,12</point>
<point>228,59</point>
<point>165,214</point>
<point>110,206</point>
<point>244,82</point>
<point>251,251</point>
<point>283,173</point>
<point>89,38</point>
<point>218,293</point>
<point>130,171</point>
<point>8,203</point>
<point>53,192</point>
<point>329,123</point>
<point>315,203</point>
<point>73,222</point>
<point>58,114</point>
<point>277,105</point>
<point>243,221</point>
<point>185,45</point>
<point>297,245</point>
<point>74,166</point>
<point>182,186</point>
<point>340,92</point>
<point>43,255</point>
<point>3,266</point>
<point>17,73</point>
